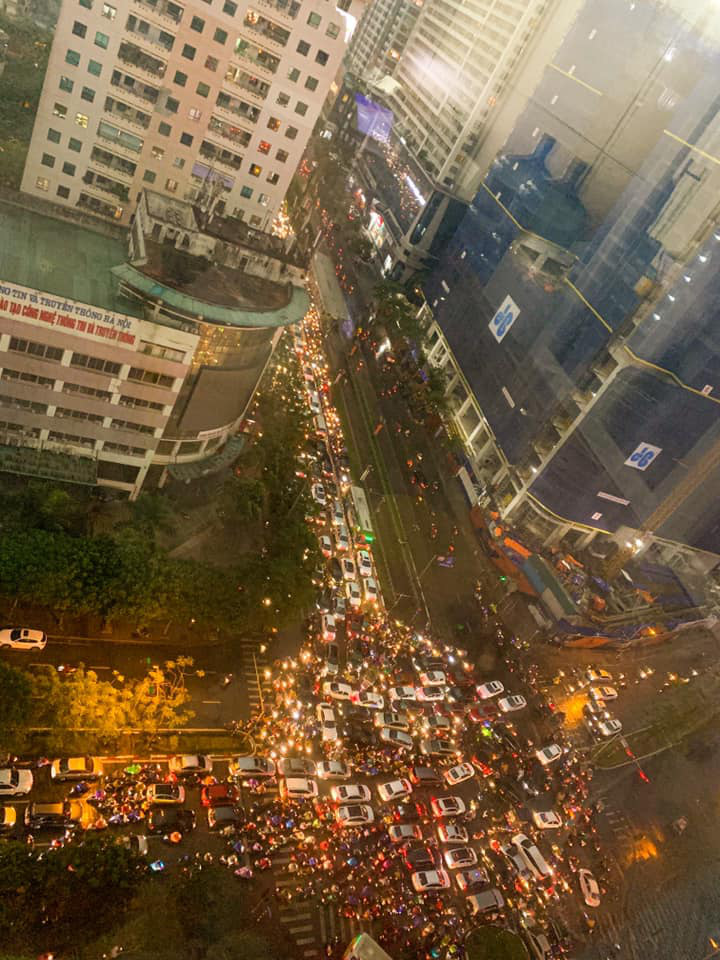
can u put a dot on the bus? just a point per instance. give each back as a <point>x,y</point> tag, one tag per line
<point>362,524</point>
<point>363,947</point>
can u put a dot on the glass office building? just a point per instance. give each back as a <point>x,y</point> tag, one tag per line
<point>578,301</point>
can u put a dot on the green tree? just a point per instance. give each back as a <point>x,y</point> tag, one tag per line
<point>243,499</point>
<point>15,705</point>
<point>151,513</point>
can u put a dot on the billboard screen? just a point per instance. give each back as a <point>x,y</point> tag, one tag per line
<point>373,120</point>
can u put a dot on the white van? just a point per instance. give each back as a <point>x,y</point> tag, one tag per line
<point>320,426</point>
<point>537,865</point>
<point>489,901</point>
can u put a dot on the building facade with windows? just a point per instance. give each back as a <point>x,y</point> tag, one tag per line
<point>119,372</point>
<point>210,100</point>
<point>380,38</point>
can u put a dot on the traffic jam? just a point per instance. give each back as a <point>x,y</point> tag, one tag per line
<point>388,778</point>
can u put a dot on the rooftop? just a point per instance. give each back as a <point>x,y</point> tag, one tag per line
<point>61,258</point>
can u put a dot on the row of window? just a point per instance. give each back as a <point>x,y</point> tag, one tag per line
<point>65,413</point>
<point>23,376</point>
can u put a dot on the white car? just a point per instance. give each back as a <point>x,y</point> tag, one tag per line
<point>402,693</point>
<point>368,698</point>
<point>171,794</point>
<point>328,723</point>
<point>493,688</point>
<point>350,793</point>
<point>297,767</point>
<point>364,562</point>
<point>459,774</point>
<point>459,857</point>
<point>337,513</point>
<point>298,788</point>
<point>603,694</point>
<point>190,763</point>
<point>396,738</point>
<point>395,721</point>
<point>22,638</point>
<point>589,888</point>
<point>326,547</point>
<point>549,754</point>
<point>433,678</point>
<point>547,819</point>
<point>451,833</point>
<point>342,540</point>
<point>428,880</point>
<point>512,703</point>
<point>469,880</point>
<point>328,627</point>
<point>394,790</point>
<point>597,675</point>
<point>337,690</point>
<point>371,591</point>
<point>354,815</point>
<point>250,766</point>
<point>318,494</point>
<point>430,694</point>
<point>333,770</point>
<point>348,568</point>
<point>608,728</point>
<point>314,403</point>
<point>447,807</point>
<point>14,782</point>
<point>400,832</point>
<point>352,591</point>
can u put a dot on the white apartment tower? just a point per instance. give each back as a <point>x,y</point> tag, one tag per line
<point>206,100</point>
<point>380,38</point>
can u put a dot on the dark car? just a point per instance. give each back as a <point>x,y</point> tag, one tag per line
<point>51,816</point>
<point>170,820</point>
<point>224,816</point>
<point>425,777</point>
<point>419,857</point>
<point>219,795</point>
<point>335,569</point>
<point>405,813</point>
<point>355,655</point>
<point>418,478</point>
<point>359,732</point>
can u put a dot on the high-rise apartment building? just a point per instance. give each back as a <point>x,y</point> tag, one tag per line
<point>380,38</point>
<point>210,100</point>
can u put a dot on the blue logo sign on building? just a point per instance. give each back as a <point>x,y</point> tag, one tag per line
<point>642,456</point>
<point>504,318</point>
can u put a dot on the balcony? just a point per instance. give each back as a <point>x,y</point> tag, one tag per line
<point>126,113</point>
<point>239,108</point>
<point>130,86</point>
<point>236,135</point>
<point>252,53</point>
<point>145,62</point>
<point>119,165</point>
<point>286,8</point>
<point>99,207</point>
<point>120,138</point>
<point>170,13</point>
<point>269,31</point>
<point>100,182</point>
<point>209,151</point>
<point>254,86</point>
<point>149,33</point>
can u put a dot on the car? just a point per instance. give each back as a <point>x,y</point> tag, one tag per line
<point>326,546</point>
<point>298,788</point>
<point>57,815</point>
<point>368,698</point>
<point>607,728</point>
<point>437,725</point>
<point>549,754</point>
<point>328,627</point>
<point>348,568</point>
<point>364,563</point>
<point>370,591</point>
<point>8,819</point>
<point>331,655</point>
<point>425,777</point>
<point>597,675</point>
<point>470,881</point>
<point>333,770</point>
<point>395,721</point>
<point>342,538</point>
<point>402,693</point>
<point>536,941</point>
<point>447,807</point>
<point>224,815</point>
<point>534,862</point>
<point>74,768</point>
<point>452,833</point>
<point>438,748</point>
<point>429,694</point>
<point>459,774</point>
<point>22,638</point>
<point>219,795</point>
<point>419,856</point>
<point>493,688</point>
<point>353,594</point>
<point>188,764</point>
<point>489,901</point>
<point>462,696</point>
<point>399,832</point>
<point>407,812</point>
<point>350,792</point>
<point>165,793</point>
<point>337,515</point>
<point>249,766</point>
<point>169,819</point>
<point>394,790</point>
<point>336,573</point>
<point>512,703</point>
<point>339,607</point>
<point>484,712</point>
<point>396,738</point>
<point>296,767</point>
<point>433,678</point>
<point>603,694</point>
<point>15,782</point>
<point>427,881</point>
<point>589,888</point>
<point>457,857</point>
<point>314,403</point>
<point>547,819</point>
<point>327,722</point>
<point>337,690</point>
<point>317,491</point>
<point>354,815</point>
